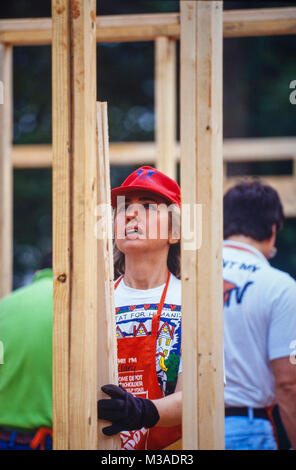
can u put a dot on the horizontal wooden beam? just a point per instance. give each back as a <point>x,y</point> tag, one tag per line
<point>259,149</point>
<point>259,22</point>
<point>147,27</point>
<point>137,153</point>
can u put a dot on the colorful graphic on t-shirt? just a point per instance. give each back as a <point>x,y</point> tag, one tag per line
<point>231,290</point>
<point>136,320</point>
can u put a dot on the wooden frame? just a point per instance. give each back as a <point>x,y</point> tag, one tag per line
<point>201,263</point>
<point>165,105</point>
<point>6,211</point>
<point>234,150</point>
<point>147,27</point>
<point>134,153</point>
<point>61,219</point>
<point>74,33</point>
<point>75,267</point>
<point>106,328</point>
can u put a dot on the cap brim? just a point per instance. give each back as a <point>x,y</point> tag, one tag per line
<point>123,191</point>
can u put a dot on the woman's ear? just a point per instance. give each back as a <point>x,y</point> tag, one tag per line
<point>175,228</point>
<point>173,238</point>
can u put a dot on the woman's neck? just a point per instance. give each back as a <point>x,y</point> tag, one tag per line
<point>145,271</point>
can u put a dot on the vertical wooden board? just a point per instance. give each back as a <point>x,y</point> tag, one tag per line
<point>202,165</point>
<point>107,346</point>
<point>165,105</point>
<point>188,124</point>
<point>83,335</point>
<point>6,170</point>
<point>61,180</point>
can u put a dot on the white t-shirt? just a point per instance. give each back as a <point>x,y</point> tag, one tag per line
<point>134,311</point>
<point>259,324</point>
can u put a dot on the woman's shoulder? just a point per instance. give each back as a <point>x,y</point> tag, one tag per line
<point>174,294</point>
<point>175,280</point>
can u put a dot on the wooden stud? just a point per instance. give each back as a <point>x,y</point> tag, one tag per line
<point>147,27</point>
<point>75,246</point>
<point>6,170</point>
<point>107,347</point>
<point>61,235</point>
<point>84,301</point>
<point>165,105</point>
<point>201,184</point>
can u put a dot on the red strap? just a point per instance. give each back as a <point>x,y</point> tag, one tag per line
<point>40,438</point>
<point>156,319</point>
<point>269,412</point>
<point>118,281</point>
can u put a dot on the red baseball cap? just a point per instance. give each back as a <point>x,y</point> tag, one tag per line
<point>148,179</point>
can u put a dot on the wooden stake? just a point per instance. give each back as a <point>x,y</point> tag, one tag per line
<point>6,173</point>
<point>75,246</point>
<point>201,182</point>
<point>107,347</point>
<point>165,105</point>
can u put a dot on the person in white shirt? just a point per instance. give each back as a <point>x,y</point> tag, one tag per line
<point>259,321</point>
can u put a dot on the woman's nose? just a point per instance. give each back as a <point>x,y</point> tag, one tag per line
<point>131,212</point>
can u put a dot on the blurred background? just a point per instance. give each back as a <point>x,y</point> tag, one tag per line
<point>257,74</point>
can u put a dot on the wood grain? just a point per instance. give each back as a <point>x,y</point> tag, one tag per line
<point>147,27</point>
<point>107,346</point>
<point>61,206</point>
<point>74,205</point>
<point>6,182</point>
<point>165,105</point>
<point>201,184</point>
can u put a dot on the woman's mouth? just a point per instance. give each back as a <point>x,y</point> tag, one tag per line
<point>130,231</point>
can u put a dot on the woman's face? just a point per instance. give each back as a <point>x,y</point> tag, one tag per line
<point>142,223</point>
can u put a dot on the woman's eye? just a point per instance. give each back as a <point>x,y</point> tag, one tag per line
<point>150,205</point>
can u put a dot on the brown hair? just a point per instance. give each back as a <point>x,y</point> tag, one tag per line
<point>174,254</point>
<point>251,208</point>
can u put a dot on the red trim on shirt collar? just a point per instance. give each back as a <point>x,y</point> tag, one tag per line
<point>235,247</point>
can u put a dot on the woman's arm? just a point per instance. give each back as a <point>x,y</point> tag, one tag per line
<point>128,412</point>
<point>170,407</point>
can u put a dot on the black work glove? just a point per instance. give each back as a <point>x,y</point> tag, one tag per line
<point>125,411</point>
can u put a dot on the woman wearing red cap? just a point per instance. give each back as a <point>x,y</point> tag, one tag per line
<point>146,407</point>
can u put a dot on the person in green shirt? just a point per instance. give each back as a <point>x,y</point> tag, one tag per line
<point>26,364</point>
